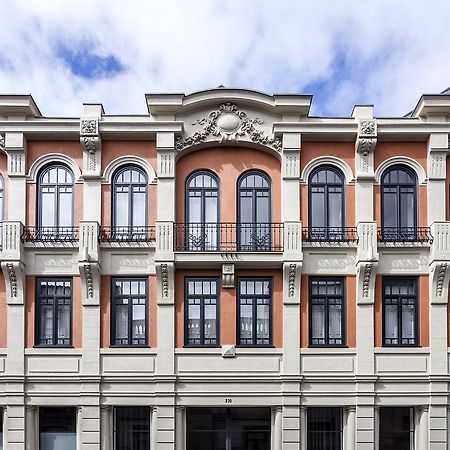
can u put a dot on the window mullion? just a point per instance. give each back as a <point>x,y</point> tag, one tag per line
<point>202,319</point>
<point>130,320</point>
<point>254,327</point>
<point>55,320</point>
<point>327,321</point>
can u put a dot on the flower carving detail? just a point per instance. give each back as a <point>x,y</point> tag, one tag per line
<point>229,124</point>
<point>89,126</point>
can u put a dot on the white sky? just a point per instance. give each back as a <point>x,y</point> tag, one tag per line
<point>385,52</point>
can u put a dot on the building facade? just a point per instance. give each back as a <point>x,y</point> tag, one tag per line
<point>225,272</point>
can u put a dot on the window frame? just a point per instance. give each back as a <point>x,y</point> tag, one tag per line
<point>416,280</point>
<point>326,185</point>
<point>202,313</point>
<point>130,204</point>
<point>187,208</point>
<point>398,186</point>
<point>130,317</point>
<point>38,312</point>
<point>254,245</point>
<point>343,313</point>
<point>42,171</point>
<point>238,314</point>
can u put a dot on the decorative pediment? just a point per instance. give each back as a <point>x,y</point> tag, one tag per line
<point>228,123</point>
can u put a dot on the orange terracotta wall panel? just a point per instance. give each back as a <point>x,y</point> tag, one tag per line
<point>424,320</point>
<point>112,150</point>
<point>228,163</point>
<point>105,311</point>
<point>30,312</point>
<point>228,304</point>
<point>350,311</point>
<point>3,313</point>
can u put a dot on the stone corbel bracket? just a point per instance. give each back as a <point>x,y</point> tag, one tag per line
<point>365,278</point>
<point>440,275</point>
<point>14,274</point>
<point>90,282</point>
<point>291,281</point>
<point>228,275</point>
<point>91,143</point>
<point>366,142</point>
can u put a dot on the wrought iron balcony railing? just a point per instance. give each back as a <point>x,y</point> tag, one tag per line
<point>49,234</point>
<point>127,234</point>
<point>330,234</point>
<point>405,234</point>
<point>229,237</point>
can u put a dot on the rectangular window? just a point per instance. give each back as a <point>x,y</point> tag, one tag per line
<point>228,428</point>
<point>57,428</point>
<point>324,429</point>
<point>400,311</point>
<point>254,311</point>
<point>54,311</point>
<point>131,428</point>
<point>201,311</point>
<point>326,312</point>
<point>129,311</point>
<point>396,428</point>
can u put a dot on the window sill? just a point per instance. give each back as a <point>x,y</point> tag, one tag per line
<point>327,350</point>
<point>127,350</point>
<point>399,350</point>
<point>53,350</point>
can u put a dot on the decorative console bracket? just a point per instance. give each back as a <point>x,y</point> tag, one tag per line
<point>364,147</point>
<point>228,275</point>
<point>92,144</point>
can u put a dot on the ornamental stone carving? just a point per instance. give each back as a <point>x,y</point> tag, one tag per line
<point>367,127</point>
<point>2,142</point>
<point>366,279</point>
<point>365,145</point>
<point>228,123</point>
<point>89,281</point>
<point>441,279</point>
<point>292,273</point>
<point>12,279</point>
<point>228,275</point>
<point>89,126</point>
<point>164,280</point>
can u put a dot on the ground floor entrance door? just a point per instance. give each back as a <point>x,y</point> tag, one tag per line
<point>228,428</point>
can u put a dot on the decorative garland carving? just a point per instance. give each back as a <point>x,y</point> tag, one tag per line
<point>367,127</point>
<point>89,126</point>
<point>229,124</point>
<point>440,279</point>
<point>12,279</point>
<point>165,280</point>
<point>89,280</point>
<point>292,273</point>
<point>2,142</point>
<point>365,145</point>
<point>366,279</point>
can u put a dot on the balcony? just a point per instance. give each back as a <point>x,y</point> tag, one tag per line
<point>330,235</point>
<point>228,237</point>
<point>127,234</point>
<point>404,235</point>
<point>49,234</point>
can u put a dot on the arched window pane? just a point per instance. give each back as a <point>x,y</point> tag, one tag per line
<point>202,211</point>
<point>399,204</point>
<point>55,201</point>
<point>326,204</point>
<point>130,200</point>
<point>255,200</point>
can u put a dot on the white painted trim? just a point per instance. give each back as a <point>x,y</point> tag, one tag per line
<point>404,160</point>
<point>328,160</point>
<point>52,158</point>
<point>125,160</point>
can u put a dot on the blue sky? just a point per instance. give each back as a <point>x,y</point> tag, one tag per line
<point>382,52</point>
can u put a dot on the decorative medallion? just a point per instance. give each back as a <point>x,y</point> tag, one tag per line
<point>229,124</point>
<point>89,126</point>
<point>367,127</point>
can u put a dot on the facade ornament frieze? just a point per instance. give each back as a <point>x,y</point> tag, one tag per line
<point>14,270</point>
<point>89,280</point>
<point>440,279</point>
<point>366,279</point>
<point>228,123</point>
<point>91,143</point>
<point>366,142</point>
<point>2,142</point>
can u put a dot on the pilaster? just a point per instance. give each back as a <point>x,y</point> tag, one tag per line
<point>16,150</point>
<point>106,429</point>
<point>291,176</point>
<point>91,144</point>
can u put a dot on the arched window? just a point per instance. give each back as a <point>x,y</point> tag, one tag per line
<point>55,202</point>
<point>326,204</point>
<point>202,211</point>
<point>129,208</point>
<point>399,204</point>
<point>254,211</point>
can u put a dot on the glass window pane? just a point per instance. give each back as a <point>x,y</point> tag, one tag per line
<point>48,213</point>
<point>317,209</point>
<point>335,213</point>
<point>121,210</point>
<point>262,322</point>
<point>46,332</point>
<point>121,313</point>
<point>334,322</point>
<point>318,322</point>
<point>138,324</point>
<point>408,321</point>
<point>246,326</point>
<point>390,209</point>
<point>57,428</point>
<point>139,209</point>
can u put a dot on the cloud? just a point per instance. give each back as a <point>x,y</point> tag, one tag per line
<point>113,51</point>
